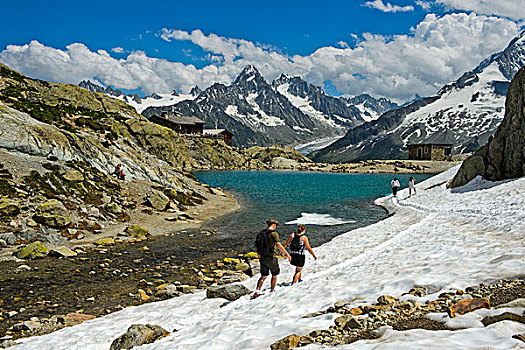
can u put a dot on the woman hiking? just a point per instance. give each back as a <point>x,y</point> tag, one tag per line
<point>298,242</point>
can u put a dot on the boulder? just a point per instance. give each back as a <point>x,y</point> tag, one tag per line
<point>347,321</point>
<point>62,252</point>
<point>286,343</point>
<point>9,207</point>
<point>35,250</point>
<point>137,231</point>
<point>105,241</point>
<point>9,237</point>
<point>506,316</point>
<point>386,300</point>
<point>468,305</point>
<point>236,277</point>
<point>251,255</point>
<point>137,335</point>
<point>229,292</point>
<point>503,157</point>
<point>52,213</point>
<point>158,200</point>
<point>113,208</point>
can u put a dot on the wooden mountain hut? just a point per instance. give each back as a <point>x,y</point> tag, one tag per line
<point>219,134</point>
<point>180,123</point>
<point>436,147</point>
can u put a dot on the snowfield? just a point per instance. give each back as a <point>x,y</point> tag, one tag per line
<point>445,239</point>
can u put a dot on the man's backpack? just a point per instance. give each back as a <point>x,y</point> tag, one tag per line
<point>262,243</point>
<point>295,244</point>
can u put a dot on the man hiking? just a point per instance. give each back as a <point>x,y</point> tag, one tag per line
<point>267,243</point>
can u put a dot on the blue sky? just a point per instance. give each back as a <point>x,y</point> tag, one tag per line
<point>354,46</point>
<point>295,27</point>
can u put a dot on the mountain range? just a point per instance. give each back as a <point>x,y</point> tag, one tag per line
<point>288,111</point>
<point>467,110</point>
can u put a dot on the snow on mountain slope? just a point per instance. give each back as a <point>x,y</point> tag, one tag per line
<point>160,100</point>
<point>443,239</point>
<point>468,109</point>
<point>473,111</point>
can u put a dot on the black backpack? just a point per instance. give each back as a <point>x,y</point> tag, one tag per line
<point>295,244</point>
<point>262,243</point>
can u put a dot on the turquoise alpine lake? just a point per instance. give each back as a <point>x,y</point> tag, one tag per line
<point>328,204</point>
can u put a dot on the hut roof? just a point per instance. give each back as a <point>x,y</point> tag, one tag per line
<point>182,119</point>
<point>216,131</point>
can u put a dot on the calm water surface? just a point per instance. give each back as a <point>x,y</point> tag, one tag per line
<point>329,204</point>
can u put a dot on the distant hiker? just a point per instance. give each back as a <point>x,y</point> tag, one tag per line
<point>117,170</point>
<point>121,176</point>
<point>298,242</point>
<point>395,186</point>
<point>267,242</point>
<point>411,186</point>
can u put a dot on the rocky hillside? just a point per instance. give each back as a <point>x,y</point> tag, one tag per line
<point>59,145</point>
<point>470,107</point>
<point>503,157</point>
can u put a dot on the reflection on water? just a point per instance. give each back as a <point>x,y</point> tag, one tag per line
<point>318,199</point>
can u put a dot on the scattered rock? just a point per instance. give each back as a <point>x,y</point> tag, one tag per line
<point>519,337</point>
<point>114,208</point>
<point>506,316</point>
<point>286,343</point>
<point>9,207</point>
<point>229,292</point>
<point>35,250</point>
<point>137,231</point>
<point>9,238</point>
<point>158,200</point>
<point>143,295</point>
<point>251,255</point>
<point>468,305</point>
<point>137,335</point>
<point>347,322</point>
<point>52,213</point>
<point>75,318</point>
<point>105,241</point>
<point>63,252</point>
<point>3,244</point>
<point>386,300</point>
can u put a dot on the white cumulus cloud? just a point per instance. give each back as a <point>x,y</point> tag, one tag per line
<point>438,50</point>
<point>118,49</point>
<point>514,9</point>
<point>388,7</point>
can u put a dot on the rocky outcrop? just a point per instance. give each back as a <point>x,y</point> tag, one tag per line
<point>52,213</point>
<point>137,335</point>
<point>504,155</point>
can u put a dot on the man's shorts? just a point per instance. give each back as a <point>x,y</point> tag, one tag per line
<point>269,264</point>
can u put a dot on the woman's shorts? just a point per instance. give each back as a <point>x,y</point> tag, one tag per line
<point>298,260</point>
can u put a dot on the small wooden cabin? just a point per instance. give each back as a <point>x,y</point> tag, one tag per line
<point>435,148</point>
<point>179,123</point>
<point>220,134</point>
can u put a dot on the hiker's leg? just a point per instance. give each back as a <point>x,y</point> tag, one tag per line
<point>297,275</point>
<point>260,282</point>
<point>274,282</point>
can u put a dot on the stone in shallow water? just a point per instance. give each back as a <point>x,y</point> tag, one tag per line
<point>137,335</point>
